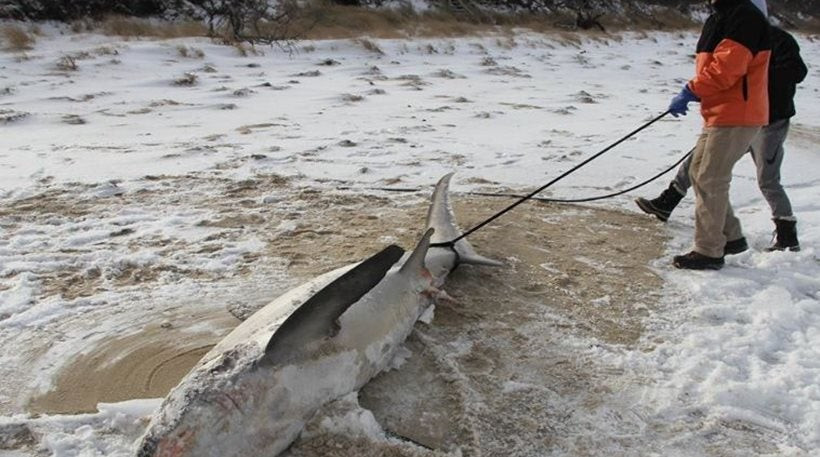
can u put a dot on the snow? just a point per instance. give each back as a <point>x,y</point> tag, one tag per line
<point>740,346</point>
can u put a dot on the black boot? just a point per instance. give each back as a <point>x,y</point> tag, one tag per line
<point>697,261</point>
<point>786,233</point>
<point>736,246</point>
<point>662,206</point>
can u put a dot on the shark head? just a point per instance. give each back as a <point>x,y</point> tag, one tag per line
<point>212,397</point>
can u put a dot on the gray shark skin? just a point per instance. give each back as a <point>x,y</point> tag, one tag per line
<point>254,391</point>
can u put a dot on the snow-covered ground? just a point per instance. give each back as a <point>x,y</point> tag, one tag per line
<point>120,184</point>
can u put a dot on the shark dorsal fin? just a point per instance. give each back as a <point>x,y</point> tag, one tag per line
<point>316,318</point>
<point>416,260</point>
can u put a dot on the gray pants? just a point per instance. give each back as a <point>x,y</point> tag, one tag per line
<point>767,153</point>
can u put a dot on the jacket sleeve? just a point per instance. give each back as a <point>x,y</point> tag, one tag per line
<point>730,61</point>
<point>787,60</point>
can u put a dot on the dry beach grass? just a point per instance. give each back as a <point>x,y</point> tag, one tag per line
<point>16,39</point>
<point>327,20</point>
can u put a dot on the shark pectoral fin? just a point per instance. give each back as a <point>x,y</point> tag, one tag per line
<point>317,318</point>
<point>415,263</point>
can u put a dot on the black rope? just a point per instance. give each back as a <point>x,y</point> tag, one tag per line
<point>537,191</point>
<point>591,199</point>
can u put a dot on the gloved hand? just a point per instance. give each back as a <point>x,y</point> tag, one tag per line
<point>680,103</point>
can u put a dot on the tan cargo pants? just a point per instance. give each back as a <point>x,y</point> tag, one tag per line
<point>717,151</point>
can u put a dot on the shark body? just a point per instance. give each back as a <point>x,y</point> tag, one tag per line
<point>254,391</point>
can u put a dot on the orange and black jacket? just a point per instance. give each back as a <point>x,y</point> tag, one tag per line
<point>731,77</point>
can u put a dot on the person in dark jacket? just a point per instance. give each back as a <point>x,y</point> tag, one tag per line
<point>786,70</point>
<point>731,84</point>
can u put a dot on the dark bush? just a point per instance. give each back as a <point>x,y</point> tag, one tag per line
<point>66,10</point>
<point>239,14</point>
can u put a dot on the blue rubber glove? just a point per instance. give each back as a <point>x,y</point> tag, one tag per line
<point>680,103</point>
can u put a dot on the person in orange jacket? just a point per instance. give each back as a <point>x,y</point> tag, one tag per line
<point>731,84</point>
<point>786,71</point>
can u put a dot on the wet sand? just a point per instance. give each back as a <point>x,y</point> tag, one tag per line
<point>146,364</point>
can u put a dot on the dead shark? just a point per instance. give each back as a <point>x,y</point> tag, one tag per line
<point>254,391</point>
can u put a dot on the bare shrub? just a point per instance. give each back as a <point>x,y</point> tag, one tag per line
<point>17,39</point>
<point>370,46</point>
<point>67,63</point>
<point>325,19</point>
<point>190,52</point>
<point>243,49</point>
<point>188,79</point>
<point>253,21</point>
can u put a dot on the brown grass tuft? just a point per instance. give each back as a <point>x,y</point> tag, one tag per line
<point>370,46</point>
<point>188,79</point>
<point>190,52</point>
<point>244,49</point>
<point>143,28</point>
<point>67,63</point>
<point>16,38</point>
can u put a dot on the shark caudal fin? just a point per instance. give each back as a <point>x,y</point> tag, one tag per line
<point>440,217</point>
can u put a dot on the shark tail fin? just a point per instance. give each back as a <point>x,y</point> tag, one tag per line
<point>467,255</point>
<point>440,216</point>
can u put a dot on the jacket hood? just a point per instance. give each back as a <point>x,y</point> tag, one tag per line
<point>725,5</point>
